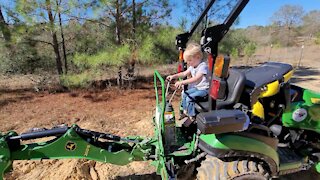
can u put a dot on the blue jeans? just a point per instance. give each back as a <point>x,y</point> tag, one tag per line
<point>188,99</point>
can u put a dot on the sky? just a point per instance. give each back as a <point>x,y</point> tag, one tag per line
<point>257,12</point>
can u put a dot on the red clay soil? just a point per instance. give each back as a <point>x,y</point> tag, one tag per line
<point>120,112</point>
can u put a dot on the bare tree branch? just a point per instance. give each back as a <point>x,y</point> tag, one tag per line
<point>40,41</point>
<point>138,5</point>
<point>90,20</point>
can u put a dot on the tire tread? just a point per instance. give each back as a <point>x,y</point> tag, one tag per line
<point>213,168</point>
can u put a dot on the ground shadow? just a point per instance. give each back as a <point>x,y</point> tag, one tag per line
<point>310,174</point>
<point>152,176</point>
<point>306,175</point>
<point>98,90</point>
<point>19,96</point>
<point>15,91</point>
<point>301,74</point>
<point>96,97</point>
<point>138,82</point>
<point>306,71</point>
<point>6,101</point>
<point>299,79</point>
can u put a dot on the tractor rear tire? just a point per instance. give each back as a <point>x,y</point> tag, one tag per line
<point>215,169</point>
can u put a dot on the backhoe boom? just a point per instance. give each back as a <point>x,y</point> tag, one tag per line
<point>73,142</point>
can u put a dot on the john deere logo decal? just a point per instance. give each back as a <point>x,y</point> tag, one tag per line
<point>299,115</point>
<point>71,146</point>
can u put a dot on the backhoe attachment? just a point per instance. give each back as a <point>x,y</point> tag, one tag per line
<point>73,142</point>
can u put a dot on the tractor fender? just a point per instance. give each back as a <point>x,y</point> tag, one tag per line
<point>239,146</point>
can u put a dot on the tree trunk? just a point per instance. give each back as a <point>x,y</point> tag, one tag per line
<point>130,70</point>
<point>54,38</point>
<point>118,28</point>
<point>130,73</point>
<point>119,79</point>
<point>118,40</point>
<point>4,27</point>
<point>63,41</point>
<point>57,53</point>
<point>134,18</point>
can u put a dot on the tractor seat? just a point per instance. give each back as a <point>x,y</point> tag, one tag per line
<point>202,98</point>
<point>235,85</point>
<point>202,102</point>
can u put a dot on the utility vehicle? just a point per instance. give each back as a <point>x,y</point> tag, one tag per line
<point>253,125</point>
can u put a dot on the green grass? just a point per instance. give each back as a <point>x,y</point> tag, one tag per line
<point>81,80</point>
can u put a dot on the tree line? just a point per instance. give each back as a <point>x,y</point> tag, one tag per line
<point>79,34</point>
<point>79,39</point>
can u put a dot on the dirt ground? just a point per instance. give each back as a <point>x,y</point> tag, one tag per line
<point>120,112</point>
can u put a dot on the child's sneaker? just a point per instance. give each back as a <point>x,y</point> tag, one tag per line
<point>183,116</point>
<point>189,121</point>
<point>181,120</point>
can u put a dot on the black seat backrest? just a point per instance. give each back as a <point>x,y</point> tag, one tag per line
<point>235,85</point>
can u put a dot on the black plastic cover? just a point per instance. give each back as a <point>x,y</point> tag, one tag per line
<point>222,121</point>
<point>235,86</point>
<point>258,77</point>
<point>267,73</point>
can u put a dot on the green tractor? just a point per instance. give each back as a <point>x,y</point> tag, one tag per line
<point>253,125</point>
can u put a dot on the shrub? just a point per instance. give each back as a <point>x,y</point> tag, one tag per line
<point>113,56</point>
<point>81,80</point>
<point>235,53</point>
<point>250,49</point>
<point>317,41</point>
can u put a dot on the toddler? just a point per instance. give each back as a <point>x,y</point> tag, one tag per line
<point>198,83</point>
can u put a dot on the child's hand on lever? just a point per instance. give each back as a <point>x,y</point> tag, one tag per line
<point>178,84</point>
<point>169,78</point>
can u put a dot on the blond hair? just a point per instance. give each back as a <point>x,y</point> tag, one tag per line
<point>192,50</point>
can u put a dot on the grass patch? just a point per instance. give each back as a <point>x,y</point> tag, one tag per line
<point>81,80</point>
